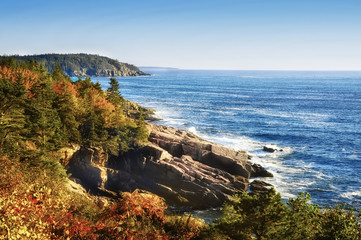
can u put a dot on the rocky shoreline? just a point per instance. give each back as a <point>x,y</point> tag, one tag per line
<point>177,165</point>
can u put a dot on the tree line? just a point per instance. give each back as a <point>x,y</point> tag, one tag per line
<point>49,111</point>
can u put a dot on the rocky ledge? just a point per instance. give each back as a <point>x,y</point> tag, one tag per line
<point>175,164</point>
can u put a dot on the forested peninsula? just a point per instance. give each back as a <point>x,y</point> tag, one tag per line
<point>83,65</point>
<point>80,162</point>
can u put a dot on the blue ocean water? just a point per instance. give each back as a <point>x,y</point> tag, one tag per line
<point>315,117</point>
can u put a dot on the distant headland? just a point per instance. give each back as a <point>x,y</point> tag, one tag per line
<point>81,64</point>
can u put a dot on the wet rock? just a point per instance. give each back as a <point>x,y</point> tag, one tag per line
<point>269,149</point>
<point>259,171</point>
<point>260,187</point>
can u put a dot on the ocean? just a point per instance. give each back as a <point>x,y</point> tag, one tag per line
<point>314,117</point>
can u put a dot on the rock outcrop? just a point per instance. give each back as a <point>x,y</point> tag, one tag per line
<point>175,164</point>
<point>260,187</point>
<point>272,149</point>
<point>259,171</point>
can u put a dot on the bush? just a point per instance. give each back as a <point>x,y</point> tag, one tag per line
<point>267,217</point>
<point>37,208</point>
<point>137,215</point>
<point>183,227</point>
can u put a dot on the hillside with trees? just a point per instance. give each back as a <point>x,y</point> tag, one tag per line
<point>83,65</point>
<point>42,112</point>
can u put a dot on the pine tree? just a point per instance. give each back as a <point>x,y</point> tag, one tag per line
<point>42,120</point>
<point>114,95</point>
<point>66,108</point>
<point>58,74</point>
<point>12,97</point>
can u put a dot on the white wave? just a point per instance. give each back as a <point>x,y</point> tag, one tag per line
<point>221,94</point>
<point>234,108</point>
<point>215,111</point>
<point>295,115</point>
<point>162,114</point>
<point>351,194</point>
<point>277,166</point>
<point>193,130</point>
<point>353,156</point>
<point>168,117</point>
<point>313,120</point>
<point>287,195</point>
<point>321,175</point>
<point>244,143</point>
<point>304,184</point>
<point>239,143</point>
<point>282,185</point>
<point>287,150</point>
<point>184,104</point>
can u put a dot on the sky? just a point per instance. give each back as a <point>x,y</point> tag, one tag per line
<point>190,34</point>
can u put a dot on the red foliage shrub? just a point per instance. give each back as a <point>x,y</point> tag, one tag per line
<point>135,216</point>
<point>34,210</point>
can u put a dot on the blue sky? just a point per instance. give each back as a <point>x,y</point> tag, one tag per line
<point>191,34</point>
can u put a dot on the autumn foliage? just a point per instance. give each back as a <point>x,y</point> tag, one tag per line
<point>36,210</point>
<point>135,216</point>
<point>40,208</point>
<point>20,76</point>
<point>65,87</point>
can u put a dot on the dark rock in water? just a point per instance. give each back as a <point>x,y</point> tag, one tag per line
<point>177,165</point>
<point>260,187</point>
<point>269,149</point>
<point>259,171</point>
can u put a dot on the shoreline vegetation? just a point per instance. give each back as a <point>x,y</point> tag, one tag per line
<point>81,162</point>
<point>84,65</point>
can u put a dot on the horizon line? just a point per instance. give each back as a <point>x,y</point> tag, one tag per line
<point>279,70</point>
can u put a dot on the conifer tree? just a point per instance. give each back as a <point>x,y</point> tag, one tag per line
<point>58,74</point>
<point>43,121</point>
<point>66,108</point>
<point>114,95</point>
<point>12,97</point>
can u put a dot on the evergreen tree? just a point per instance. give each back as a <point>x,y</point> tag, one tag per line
<point>43,122</point>
<point>9,62</point>
<point>114,95</point>
<point>65,106</point>
<point>12,97</point>
<point>58,74</point>
<point>114,86</point>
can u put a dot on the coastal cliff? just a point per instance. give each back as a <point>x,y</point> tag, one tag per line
<point>177,165</point>
<point>83,65</point>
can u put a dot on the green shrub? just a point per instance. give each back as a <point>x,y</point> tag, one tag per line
<point>267,217</point>
<point>183,227</point>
